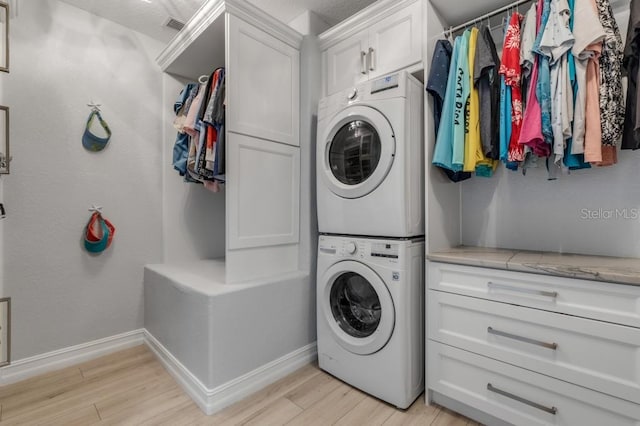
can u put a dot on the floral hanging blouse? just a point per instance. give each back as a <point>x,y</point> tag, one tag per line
<point>510,69</point>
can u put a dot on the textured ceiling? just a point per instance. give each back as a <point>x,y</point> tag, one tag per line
<point>145,16</point>
<point>455,15</point>
<point>149,16</point>
<point>331,11</point>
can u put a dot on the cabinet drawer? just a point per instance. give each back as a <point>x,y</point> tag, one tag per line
<point>615,303</point>
<point>520,396</point>
<point>597,355</point>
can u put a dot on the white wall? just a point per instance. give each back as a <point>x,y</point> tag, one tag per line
<point>442,200</point>
<point>310,25</point>
<point>62,58</point>
<point>529,212</point>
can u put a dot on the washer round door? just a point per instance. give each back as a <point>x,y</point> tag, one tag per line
<point>358,151</point>
<point>358,307</point>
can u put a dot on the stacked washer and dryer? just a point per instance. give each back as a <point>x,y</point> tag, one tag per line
<point>370,286</point>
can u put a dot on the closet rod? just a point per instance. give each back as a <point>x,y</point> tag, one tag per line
<point>485,16</point>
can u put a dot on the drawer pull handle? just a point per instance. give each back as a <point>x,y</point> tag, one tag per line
<point>551,294</point>
<point>552,410</point>
<point>492,330</point>
<point>363,62</point>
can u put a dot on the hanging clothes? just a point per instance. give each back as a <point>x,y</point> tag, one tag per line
<point>199,147</point>
<point>531,134</point>
<point>505,119</point>
<point>443,153</point>
<point>543,86</point>
<point>527,57</point>
<point>611,107</point>
<point>438,78</point>
<point>449,152</point>
<point>472,143</point>
<point>510,69</point>
<point>631,58</point>
<point>573,161</point>
<point>181,145</point>
<point>588,33</point>
<point>487,80</point>
<point>462,92</point>
<point>437,88</point>
<point>557,39</point>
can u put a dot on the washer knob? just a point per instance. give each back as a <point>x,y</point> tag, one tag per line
<point>351,247</point>
<point>352,94</point>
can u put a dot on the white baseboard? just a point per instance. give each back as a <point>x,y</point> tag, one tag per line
<point>213,400</point>
<point>28,367</point>
<point>209,400</point>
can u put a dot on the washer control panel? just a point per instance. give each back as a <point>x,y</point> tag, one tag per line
<point>354,248</point>
<point>386,250</point>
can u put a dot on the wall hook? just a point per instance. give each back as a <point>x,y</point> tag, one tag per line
<point>94,107</point>
<point>95,209</point>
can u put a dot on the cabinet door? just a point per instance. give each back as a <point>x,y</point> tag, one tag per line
<point>345,63</point>
<point>263,84</point>
<point>395,42</point>
<point>263,189</point>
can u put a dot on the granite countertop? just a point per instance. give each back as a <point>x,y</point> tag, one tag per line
<point>597,268</point>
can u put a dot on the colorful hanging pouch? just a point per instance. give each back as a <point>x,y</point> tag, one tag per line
<point>92,142</point>
<point>98,234</point>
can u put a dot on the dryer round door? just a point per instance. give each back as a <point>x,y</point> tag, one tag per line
<point>358,307</point>
<point>359,148</point>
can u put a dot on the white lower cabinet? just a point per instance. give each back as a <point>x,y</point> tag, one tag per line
<point>531,361</point>
<point>520,396</point>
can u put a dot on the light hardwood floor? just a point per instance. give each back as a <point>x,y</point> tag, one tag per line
<point>131,387</point>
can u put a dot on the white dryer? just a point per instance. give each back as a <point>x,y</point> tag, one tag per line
<point>370,296</point>
<point>370,162</point>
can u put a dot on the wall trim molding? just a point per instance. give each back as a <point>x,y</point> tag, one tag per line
<point>28,367</point>
<point>213,400</point>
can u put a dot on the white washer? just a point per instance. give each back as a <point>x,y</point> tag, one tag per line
<point>370,296</point>
<point>370,168</point>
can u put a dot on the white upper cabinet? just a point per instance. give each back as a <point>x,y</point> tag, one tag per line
<point>346,62</point>
<point>385,37</point>
<point>264,78</point>
<point>396,41</point>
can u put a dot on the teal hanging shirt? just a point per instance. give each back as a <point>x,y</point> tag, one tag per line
<point>462,92</point>
<point>443,153</point>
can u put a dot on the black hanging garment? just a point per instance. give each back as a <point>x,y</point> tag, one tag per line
<point>487,80</point>
<point>631,132</point>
